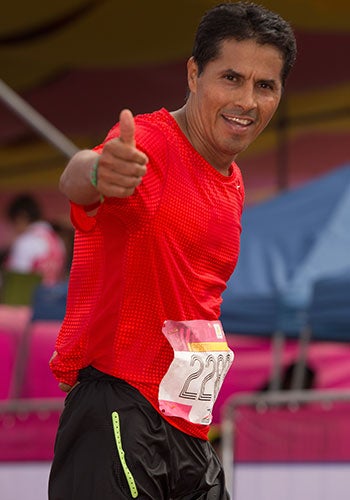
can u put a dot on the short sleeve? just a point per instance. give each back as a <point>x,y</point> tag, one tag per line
<point>80,219</point>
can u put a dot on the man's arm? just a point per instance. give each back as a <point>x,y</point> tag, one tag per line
<point>120,169</point>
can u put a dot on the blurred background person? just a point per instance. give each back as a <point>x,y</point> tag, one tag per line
<point>36,247</point>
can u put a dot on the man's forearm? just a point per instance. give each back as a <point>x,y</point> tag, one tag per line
<point>75,181</point>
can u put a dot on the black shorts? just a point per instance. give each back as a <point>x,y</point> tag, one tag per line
<point>111,444</point>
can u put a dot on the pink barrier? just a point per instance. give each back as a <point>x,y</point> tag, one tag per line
<point>13,321</point>
<point>14,318</point>
<point>31,436</point>
<point>27,437</point>
<point>39,381</point>
<point>311,433</point>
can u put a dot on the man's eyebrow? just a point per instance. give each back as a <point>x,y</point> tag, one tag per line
<point>240,75</point>
<point>233,72</point>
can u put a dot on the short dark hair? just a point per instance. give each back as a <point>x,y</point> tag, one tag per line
<point>243,21</point>
<point>24,204</point>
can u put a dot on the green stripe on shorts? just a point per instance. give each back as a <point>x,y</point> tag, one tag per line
<point>118,439</point>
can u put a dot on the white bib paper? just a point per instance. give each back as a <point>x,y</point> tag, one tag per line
<point>201,361</point>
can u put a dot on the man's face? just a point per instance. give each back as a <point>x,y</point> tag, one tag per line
<point>233,99</point>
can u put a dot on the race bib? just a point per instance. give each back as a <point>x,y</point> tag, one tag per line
<point>201,361</point>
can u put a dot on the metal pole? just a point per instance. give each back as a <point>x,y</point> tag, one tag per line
<point>277,346</point>
<point>228,450</point>
<point>36,120</point>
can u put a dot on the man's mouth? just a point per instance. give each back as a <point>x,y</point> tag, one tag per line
<point>243,122</point>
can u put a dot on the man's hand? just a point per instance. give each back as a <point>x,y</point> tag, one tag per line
<point>121,166</point>
<point>67,388</point>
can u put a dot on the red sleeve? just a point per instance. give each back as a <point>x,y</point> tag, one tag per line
<point>80,219</point>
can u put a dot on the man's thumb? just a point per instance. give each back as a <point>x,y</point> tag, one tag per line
<point>127,127</point>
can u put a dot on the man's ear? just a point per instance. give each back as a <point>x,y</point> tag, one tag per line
<point>192,74</point>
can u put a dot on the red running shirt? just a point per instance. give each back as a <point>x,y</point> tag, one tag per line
<point>164,253</point>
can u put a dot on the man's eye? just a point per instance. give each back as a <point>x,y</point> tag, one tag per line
<point>231,78</point>
<point>265,85</point>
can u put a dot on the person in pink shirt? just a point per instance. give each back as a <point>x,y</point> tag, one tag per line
<point>36,247</point>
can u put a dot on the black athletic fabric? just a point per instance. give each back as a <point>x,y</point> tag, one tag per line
<point>163,462</point>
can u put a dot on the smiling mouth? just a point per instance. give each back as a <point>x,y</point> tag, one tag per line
<point>243,122</point>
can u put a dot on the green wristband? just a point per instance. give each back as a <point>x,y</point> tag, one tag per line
<point>93,177</point>
<point>93,174</point>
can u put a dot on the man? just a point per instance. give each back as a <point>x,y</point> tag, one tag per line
<point>157,212</point>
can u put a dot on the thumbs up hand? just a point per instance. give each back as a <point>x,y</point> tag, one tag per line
<point>121,165</point>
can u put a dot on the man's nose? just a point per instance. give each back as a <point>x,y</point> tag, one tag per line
<point>245,97</point>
